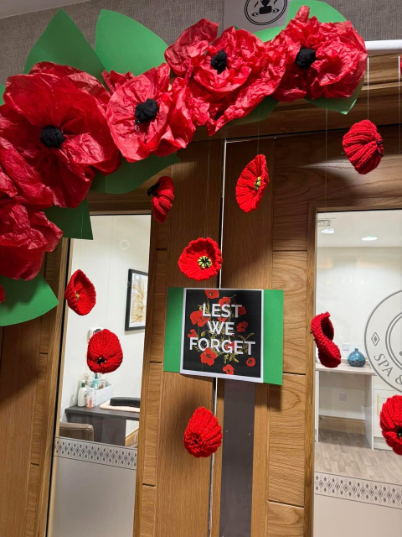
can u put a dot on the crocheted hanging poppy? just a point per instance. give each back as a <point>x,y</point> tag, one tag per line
<point>80,293</point>
<point>203,435</point>
<point>104,352</point>
<point>363,146</point>
<point>323,332</point>
<point>2,294</point>
<point>201,259</point>
<point>252,183</point>
<point>391,423</point>
<point>162,194</point>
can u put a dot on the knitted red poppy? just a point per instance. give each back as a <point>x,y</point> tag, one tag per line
<point>2,294</point>
<point>252,183</point>
<point>162,194</point>
<point>201,259</point>
<point>323,332</point>
<point>104,352</point>
<point>391,423</point>
<point>80,293</point>
<point>363,146</point>
<point>203,435</point>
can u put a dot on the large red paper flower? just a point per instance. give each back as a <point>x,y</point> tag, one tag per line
<point>208,357</point>
<point>322,59</point>
<point>162,194</point>
<point>25,236</point>
<point>391,423</point>
<point>363,146</point>
<point>252,183</point>
<point>104,353</point>
<point>323,332</point>
<point>203,435</point>
<point>80,293</point>
<point>2,294</point>
<point>145,117</point>
<point>55,118</point>
<point>201,259</point>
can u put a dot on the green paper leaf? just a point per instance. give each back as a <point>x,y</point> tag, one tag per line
<point>343,106</point>
<point>259,113</point>
<point>25,300</point>
<point>2,88</point>
<point>131,175</point>
<point>124,44</point>
<point>75,223</point>
<point>62,42</point>
<point>268,33</point>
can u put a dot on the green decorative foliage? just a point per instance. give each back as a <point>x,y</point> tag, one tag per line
<point>2,88</point>
<point>259,113</point>
<point>124,44</point>
<point>131,175</point>
<point>25,300</point>
<point>75,223</point>
<point>62,42</point>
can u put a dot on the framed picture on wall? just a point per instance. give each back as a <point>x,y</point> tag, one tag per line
<point>136,307</point>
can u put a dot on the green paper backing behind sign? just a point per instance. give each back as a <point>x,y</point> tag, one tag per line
<point>75,223</point>
<point>63,42</point>
<point>131,175</point>
<point>272,334</point>
<point>25,300</point>
<point>124,44</point>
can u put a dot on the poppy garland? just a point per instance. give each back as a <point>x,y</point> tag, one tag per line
<point>363,146</point>
<point>162,194</point>
<point>201,259</point>
<point>323,333</point>
<point>80,293</point>
<point>104,353</point>
<point>252,183</point>
<point>203,434</point>
<point>391,423</point>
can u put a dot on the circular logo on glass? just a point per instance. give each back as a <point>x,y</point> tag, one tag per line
<point>383,340</point>
<point>263,12</point>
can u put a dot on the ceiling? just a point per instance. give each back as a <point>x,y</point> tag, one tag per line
<point>9,8</point>
<point>350,227</point>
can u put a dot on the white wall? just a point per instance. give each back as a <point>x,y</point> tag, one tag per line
<point>120,243</point>
<point>350,283</point>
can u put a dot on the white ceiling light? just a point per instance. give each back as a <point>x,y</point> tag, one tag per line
<point>328,230</point>
<point>369,238</point>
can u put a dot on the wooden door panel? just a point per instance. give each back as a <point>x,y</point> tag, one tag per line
<point>285,520</point>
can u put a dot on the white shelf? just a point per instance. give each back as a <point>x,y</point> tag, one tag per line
<point>346,368</point>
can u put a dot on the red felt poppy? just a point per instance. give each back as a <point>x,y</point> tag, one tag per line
<point>252,183</point>
<point>55,118</point>
<point>25,236</point>
<point>228,369</point>
<point>192,333</point>
<point>208,357</point>
<point>145,117</point>
<point>80,293</point>
<point>104,353</point>
<point>241,327</point>
<point>201,259</point>
<point>162,194</point>
<point>323,332</point>
<point>2,294</point>
<point>224,301</point>
<point>391,423</point>
<point>363,146</point>
<point>212,293</point>
<point>203,434</point>
<point>242,310</point>
<point>198,318</point>
<point>322,59</point>
<point>250,362</point>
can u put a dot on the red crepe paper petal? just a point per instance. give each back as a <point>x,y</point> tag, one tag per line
<point>203,435</point>
<point>323,332</point>
<point>391,423</point>
<point>80,293</point>
<point>363,146</point>
<point>162,198</point>
<point>104,352</point>
<point>2,294</point>
<point>252,183</point>
<point>201,259</point>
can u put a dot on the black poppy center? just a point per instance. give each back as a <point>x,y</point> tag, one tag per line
<point>101,360</point>
<point>196,439</point>
<point>146,111</point>
<point>219,61</point>
<point>153,189</point>
<point>51,137</point>
<point>399,432</point>
<point>305,57</point>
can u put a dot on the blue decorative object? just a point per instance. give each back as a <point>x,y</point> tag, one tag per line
<point>356,359</point>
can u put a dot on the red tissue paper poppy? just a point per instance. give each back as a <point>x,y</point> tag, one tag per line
<point>25,236</point>
<point>2,294</point>
<point>212,293</point>
<point>250,362</point>
<point>363,146</point>
<point>203,434</point>
<point>228,369</point>
<point>252,183</point>
<point>391,423</point>
<point>208,357</point>
<point>55,118</point>
<point>201,259</point>
<point>104,353</point>
<point>198,318</point>
<point>147,117</point>
<point>162,194</point>
<point>80,293</point>
<point>323,332</point>
<point>322,59</point>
